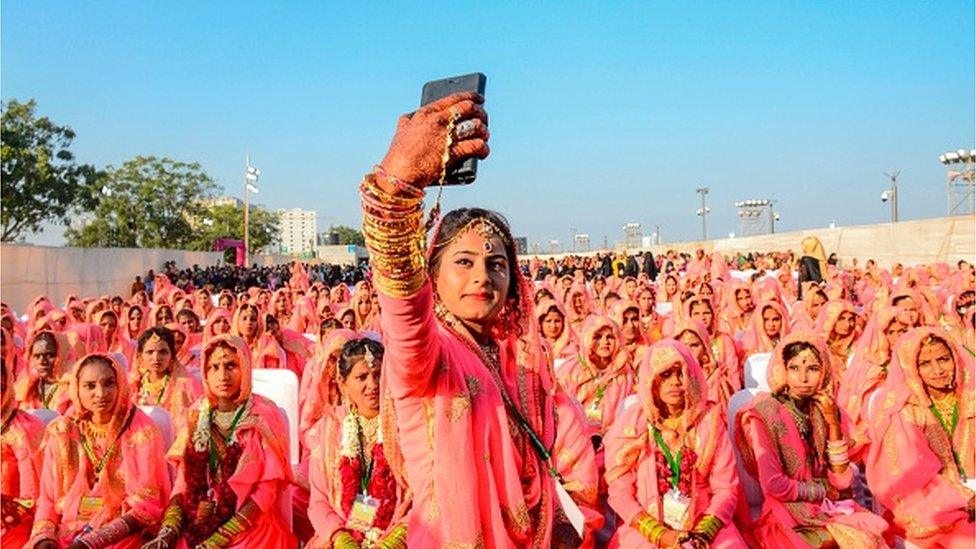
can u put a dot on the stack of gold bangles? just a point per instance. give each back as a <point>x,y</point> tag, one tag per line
<point>650,528</point>
<point>837,453</point>
<point>396,539</point>
<point>392,225</point>
<point>709,526</point>
<point>344,540</point>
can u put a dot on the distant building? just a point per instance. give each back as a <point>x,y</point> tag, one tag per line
<point>297,230</point>
<point>223,201</point>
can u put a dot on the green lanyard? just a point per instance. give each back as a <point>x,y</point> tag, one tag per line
<point>950,429</point>
<point>99,464</point>
<point>674,462</point>
<point>213,458</point>
<point>367,466</point>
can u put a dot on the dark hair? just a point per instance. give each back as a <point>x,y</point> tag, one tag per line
<point>43,336</point>
<point>187,312</point>
<point>899,299</point>
<point>458,219</point>
<point>93,360</point>
<point>354,351</point>
<point>160,331</point>
<point>330,322</point>
<point>797,347</point>
<point>270,320</point>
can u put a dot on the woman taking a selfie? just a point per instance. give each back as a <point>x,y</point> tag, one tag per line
<point>464,362</point>
<point>103,481</point>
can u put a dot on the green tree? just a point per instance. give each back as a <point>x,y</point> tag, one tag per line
<point>148,202</point>
<point>227,221</point>
<point>40,180</point>
<point>348,235</point>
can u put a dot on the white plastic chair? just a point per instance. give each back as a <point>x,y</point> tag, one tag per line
<point>750,485</point>
<point>281,387</point>
<point>664,308</point>
<point>45,415</point>
<point>164,423</point>
<point>754,371</point>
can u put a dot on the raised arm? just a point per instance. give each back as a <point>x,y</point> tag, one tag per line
<point>424,146</point>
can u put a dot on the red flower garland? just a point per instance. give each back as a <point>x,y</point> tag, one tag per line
<point>224,499</point>
<point>685,475</point>
<point>382,485</point>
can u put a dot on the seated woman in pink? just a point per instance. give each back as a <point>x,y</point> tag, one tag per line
<point>102,483</point>
<point>626,315</point>
<point>867,373</point>
<point>114,341</point>
<point>769,324</point>
<point>670,467</point>
<point>47,361</point>
<point>922,449</point>
<point>218,322</point>
<point>561,339</point>
<point>157,378</point>
<point>718,381</point>
<point>20,454</point>
<point>791,441</point>
<point>136,319</point>
<point>469,382</point>
<point>231,462</point>
<point>601,376</point>
<point>836,327</point>
<point>701,309</point>
<point>355,498</point>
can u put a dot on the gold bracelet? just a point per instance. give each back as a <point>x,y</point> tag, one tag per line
<point>396,539</point>
<point>344,540</point>
<point>173,517</point>
<point>709,525</point>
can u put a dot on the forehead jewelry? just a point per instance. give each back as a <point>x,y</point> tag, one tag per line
<point>808,353</point>
<point>154,338</point>
<point>221,352</point>
<point>370,358</point>
<point>487,230</point>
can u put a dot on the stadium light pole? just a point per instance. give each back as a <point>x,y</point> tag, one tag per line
<point>703,211</point>
<point>251,175</point>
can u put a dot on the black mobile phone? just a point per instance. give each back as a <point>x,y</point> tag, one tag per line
<point>465,172</point>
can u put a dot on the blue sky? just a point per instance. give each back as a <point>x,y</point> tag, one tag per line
<point>601,112</point>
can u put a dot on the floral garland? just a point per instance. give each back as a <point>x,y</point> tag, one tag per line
<point>382,485</point>
<point>686,476</point>
<point>210,501</point>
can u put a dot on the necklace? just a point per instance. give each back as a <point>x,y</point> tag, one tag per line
<point>94,430</point>
<point>369,427</point>
<point>225,420</point>
<point>148,388</point>
<point>801,419</point>
<point>946,411</point>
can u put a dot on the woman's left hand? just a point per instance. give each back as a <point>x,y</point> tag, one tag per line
<point>827,406</point>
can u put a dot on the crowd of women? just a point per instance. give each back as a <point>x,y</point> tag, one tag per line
<point>453,402</point>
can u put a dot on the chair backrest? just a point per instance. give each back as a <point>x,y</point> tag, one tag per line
<point>750,485</point>
<point>664,307</point>
<point>754,371</point>
<point>163,421</point>
<point>280,386</point>
<point>628,402</point>
<point>45,415</point>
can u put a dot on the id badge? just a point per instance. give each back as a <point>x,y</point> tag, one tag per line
<point>676,507</point>
<point>363,513</point>
<point>90,506</point>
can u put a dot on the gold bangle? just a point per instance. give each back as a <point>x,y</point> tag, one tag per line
<point>344,540</point>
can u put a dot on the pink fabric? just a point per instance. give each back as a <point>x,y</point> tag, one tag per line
<point>600,392</point>
<point>630,453</point>
<point>910,465</point>
<point>473,478</point>
<point>777,455</point>
<point>20,452</point>
<point>134,481</point>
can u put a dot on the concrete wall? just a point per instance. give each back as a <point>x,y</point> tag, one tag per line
<point>28,271</point>
<point>907,242</point>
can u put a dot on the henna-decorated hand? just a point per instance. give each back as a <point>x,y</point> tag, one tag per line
<point>417,152</point>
